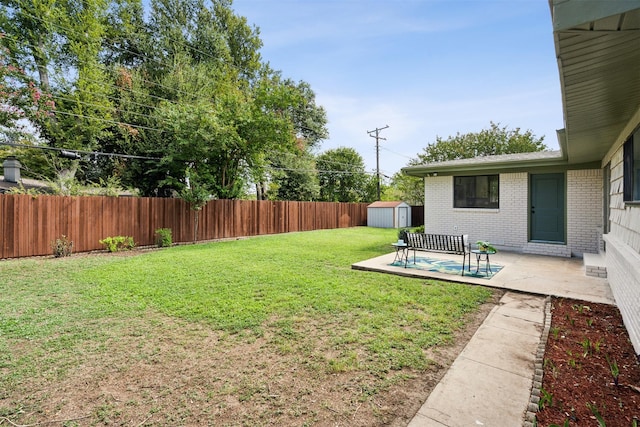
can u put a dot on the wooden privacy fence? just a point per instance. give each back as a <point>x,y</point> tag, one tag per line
<point>29,224</point>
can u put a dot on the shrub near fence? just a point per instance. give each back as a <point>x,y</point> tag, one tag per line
<point>29,224</point>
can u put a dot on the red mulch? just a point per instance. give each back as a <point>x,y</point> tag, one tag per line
<point>586,342</point>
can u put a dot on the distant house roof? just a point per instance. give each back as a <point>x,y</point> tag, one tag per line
<point>385,204</point>
<point>45,188</point>
<point>27,184</point>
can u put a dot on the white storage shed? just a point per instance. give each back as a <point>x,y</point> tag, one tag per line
<point>389,215</point>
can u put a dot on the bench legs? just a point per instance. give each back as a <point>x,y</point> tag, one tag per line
<point>466,257</point>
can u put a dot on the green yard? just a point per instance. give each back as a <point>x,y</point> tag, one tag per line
<point>272,330</point>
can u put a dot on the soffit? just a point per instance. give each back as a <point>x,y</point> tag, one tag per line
<point>598,52</point>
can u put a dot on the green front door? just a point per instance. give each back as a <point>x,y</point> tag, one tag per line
<point>547,214</point>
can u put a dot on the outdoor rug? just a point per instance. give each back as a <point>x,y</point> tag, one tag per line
<point>449,267</point>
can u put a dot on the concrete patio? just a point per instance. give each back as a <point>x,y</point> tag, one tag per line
<point>490,382</point>
<point>533,274</point>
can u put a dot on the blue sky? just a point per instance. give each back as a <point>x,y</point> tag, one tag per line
<point>425,68</point>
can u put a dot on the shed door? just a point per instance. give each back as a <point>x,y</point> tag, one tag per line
<point>547,207</point>
<point>403,217</point>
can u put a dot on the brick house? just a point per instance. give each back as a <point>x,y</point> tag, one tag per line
<point>583,199</point>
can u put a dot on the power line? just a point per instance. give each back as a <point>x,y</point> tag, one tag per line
<point>315,159</point>
<point>107,107</point>
<point>76,154</point>
<point>115,122</point>
<point>106,83</point>
<point>321,171</point>
<point>396,153</point>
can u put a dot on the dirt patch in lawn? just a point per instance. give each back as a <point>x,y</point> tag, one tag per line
<point>591,373</point>
<point>159,371</point>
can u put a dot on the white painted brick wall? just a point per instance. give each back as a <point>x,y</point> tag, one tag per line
<point>623,252</point>
<point>507,227</point>
<point>623,274</point>
<point>549,249</point>
<point>584,210</point>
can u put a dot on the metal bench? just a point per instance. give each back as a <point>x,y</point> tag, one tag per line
<point>443,243</point>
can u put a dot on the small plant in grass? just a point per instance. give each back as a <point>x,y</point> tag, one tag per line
<point>163,237</point>
<point>62,246</point>
<point>555,331</point>
<point>118,243</point>
<point>613,367</point>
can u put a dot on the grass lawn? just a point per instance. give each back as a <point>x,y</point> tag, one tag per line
<point>272,330</point>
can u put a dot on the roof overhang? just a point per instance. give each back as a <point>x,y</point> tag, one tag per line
<point>598,52</point>
<point>506,163</point>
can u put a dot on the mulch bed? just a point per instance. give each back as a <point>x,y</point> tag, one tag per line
<point>591,372</point>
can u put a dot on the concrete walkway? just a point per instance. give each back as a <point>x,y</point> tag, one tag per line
<point>489,383</point>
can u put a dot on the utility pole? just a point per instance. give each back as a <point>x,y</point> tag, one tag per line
<point>378,138</point>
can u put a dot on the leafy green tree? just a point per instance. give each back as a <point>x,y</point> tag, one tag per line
<point>36,164</point>
<point>371,187</point>
<point>183,86</point>
<point>20,98</point>
<point>294,177</point>
<point>30,34</point>
<point>407,188</point>
<point>44,36</point>
<point>197,196</point>
<point>342,176</point>
<point>309,119</point>
<point>293,174</point>
<point>127,38</point>
<point>487,142</point>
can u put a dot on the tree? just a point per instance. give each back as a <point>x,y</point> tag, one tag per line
<point>223,112</point>
<point>341,176</point>
<point>20,98</point>
<point>30,35</point>
<point>294,177</point>
<point>406,188</point>
<point>487,142</point>
<point>183,86</point>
